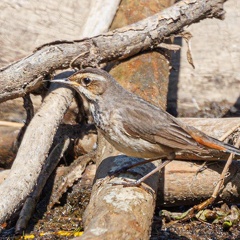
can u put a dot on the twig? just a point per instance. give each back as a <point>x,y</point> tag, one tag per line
<point>228,133</point>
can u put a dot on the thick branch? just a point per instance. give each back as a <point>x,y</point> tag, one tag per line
<point>22,77</point>
<point>33,151</point>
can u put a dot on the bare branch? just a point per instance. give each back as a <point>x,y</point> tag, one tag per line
<point>25,75</point>
<point>33,151</point>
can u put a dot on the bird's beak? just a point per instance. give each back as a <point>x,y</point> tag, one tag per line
<point>64,81</point>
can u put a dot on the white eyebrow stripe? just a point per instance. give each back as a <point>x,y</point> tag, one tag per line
<point>94,76</point>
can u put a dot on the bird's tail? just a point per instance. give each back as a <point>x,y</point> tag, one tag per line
<point>210,142</point>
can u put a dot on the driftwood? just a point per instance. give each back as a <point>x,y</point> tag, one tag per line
<point>189,183</point>
<point>31,201</point>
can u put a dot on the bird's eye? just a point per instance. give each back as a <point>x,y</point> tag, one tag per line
<point>86,81</point>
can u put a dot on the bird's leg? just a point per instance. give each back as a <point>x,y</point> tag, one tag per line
<point>139,181</point>
<point>204,166</point>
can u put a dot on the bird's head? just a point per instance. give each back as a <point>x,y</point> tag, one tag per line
<point>89,82</point>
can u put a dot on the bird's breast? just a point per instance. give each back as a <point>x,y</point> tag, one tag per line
<point>110,125</point>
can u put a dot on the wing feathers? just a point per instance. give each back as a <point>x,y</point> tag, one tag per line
<point>159,128</point>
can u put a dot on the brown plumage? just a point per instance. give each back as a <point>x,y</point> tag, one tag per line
<point>134,126</point>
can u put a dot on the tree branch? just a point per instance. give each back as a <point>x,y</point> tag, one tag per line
<point>33,151</point>
<point>25,75</point>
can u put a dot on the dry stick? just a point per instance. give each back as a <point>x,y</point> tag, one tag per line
<point>217,189</point>
<point>118,44</point>
<point>228,133</point>
<point>30,203</point>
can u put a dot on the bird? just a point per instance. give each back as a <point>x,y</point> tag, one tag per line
<point>134,126</point>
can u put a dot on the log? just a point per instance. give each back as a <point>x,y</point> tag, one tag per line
<point>182,183</point>
<point>116,212</point>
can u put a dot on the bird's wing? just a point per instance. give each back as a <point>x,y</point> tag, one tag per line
<point>157,126</point>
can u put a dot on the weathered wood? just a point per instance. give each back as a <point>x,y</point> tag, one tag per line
<point>33,151</point>
<point>31,201</point>
<point>26,74</point>
<point>117,212</point>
